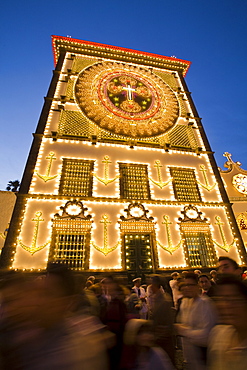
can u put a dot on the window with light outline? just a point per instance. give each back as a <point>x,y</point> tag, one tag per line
<point>77,177</point>
<point>198,244</point>
<point>134,182</point>
<point>184,184</point>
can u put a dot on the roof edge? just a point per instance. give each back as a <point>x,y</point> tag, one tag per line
<point>55,47</point>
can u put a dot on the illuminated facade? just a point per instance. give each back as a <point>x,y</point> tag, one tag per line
<point>7,202</point>
<point>120,175</point>
<point>235,181</point>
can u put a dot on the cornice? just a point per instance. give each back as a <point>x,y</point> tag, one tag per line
<point>95,49</point>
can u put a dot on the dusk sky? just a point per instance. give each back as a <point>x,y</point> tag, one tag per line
<point>211,34</point>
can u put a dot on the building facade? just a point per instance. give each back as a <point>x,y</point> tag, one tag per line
<point>235,181</point>
<point>7,202</point>
<point>120,175</point>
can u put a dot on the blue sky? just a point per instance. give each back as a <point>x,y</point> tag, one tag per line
<point>210,34</point>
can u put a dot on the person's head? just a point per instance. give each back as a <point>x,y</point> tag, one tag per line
<point>107,283</point>
<point>137,282</point>
<point>184,273</point>
<point>197,272</point>
<point>91,278</point>
<point>175,275</point>
<point>231,302</point>
<point>204,282</point>
<point>191,288</point>
<point>155,283</point>
<point>227,265</point>
<point>112,288</point>
<point>213,274</point>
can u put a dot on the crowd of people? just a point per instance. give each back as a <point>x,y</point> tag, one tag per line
<point>189,320</point>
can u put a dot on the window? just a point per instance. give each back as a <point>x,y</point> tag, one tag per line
<point>70,249</point>
<point>185,185</point>
<point>198,244</point>
<point>134,181</point>
<point>200,249</point>
<point>70,242</point>
<point>77,177</point>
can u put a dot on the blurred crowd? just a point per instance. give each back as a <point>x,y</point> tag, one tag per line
<point>188,320</point>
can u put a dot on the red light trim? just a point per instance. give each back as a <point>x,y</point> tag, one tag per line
<point>143,53</point>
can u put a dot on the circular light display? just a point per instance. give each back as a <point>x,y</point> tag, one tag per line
<point>73,209</point>
<point>128,97</point>
<point>126,100</point>
<point>136,211</point>
<point>240,183</point>
<point>191,213</point>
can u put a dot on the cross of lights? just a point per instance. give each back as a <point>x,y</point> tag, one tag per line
<point>130,91</point>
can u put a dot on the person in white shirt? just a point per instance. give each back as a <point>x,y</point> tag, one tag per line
<point>141,293</point>
<point>195,320</point>
<point>227,348</point>
<point>174,284</point>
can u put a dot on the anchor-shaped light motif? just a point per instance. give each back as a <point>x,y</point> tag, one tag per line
<point>170,249</point>
<point>4,234</point>
<point>159,183</point>
<point>226,247</point>
<point>106,179</point>
<point>105,249</point>
<point>206,185</point>
<point>47,176</point>
<point>34,248</point>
